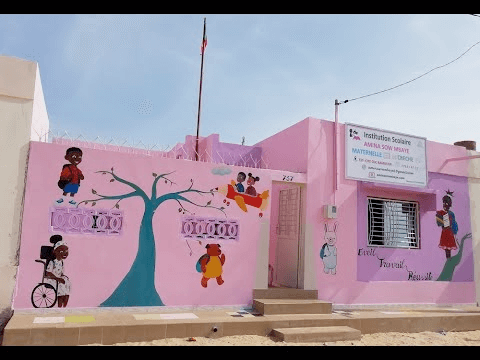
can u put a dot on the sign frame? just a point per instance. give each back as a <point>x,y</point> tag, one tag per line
<point>375,180</point>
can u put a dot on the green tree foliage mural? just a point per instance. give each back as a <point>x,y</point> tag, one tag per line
<point>138,286</point>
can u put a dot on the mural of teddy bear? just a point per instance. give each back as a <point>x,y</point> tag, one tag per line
<point>211,264</point>
<point>328,253</point>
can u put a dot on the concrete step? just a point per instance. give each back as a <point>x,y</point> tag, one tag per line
<point>317,334</point>
<point>285,293</point>
<point>291,306</point>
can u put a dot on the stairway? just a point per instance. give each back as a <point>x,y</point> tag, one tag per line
<point>281,301</point>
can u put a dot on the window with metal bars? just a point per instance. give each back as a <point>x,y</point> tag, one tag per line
<point>393,223</point>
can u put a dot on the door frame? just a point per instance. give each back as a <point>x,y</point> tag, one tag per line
<point>301,231</point>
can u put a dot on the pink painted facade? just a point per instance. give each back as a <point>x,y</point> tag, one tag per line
<point>300,156</point>
<point>359,279</point>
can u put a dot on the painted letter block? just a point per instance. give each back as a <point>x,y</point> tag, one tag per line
<point>86,221</point>
<point>208,228</point>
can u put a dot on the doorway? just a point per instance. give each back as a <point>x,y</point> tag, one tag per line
<point>286,236</point>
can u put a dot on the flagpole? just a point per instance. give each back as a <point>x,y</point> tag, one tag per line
<point>200,92</point>
<point>335,153</point>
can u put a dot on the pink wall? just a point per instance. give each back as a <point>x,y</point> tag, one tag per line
<point>429,259</point>
<point>346,287</point>
<point>96,264</point>
<point>359,279</point>
<point>287,150</point>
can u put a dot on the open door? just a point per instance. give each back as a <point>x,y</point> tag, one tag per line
<point>288,235</point>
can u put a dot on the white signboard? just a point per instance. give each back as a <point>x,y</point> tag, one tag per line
<point>382,156</point>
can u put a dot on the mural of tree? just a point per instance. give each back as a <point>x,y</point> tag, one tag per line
<point>138,286</point>
<point>452,262</point>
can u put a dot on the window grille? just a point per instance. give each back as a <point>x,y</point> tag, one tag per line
<point>393,223</point>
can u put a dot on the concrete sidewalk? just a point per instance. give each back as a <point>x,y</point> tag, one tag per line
<point>111,326</point>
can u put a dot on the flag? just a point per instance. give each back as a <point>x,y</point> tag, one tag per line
<point>204,44</point>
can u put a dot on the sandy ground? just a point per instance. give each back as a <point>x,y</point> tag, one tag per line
<point>467,338</point>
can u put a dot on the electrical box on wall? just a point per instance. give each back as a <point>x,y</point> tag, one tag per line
<point>330,211</point>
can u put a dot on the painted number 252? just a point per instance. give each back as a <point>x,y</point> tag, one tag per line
<point>287,178</point>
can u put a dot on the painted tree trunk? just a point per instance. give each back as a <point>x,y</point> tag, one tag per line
<point>451,263</point>
<point>138,287</point>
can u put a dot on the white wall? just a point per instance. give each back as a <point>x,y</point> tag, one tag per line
<point>474,190</point>
<point>21,105</point>
<point>40,122</point>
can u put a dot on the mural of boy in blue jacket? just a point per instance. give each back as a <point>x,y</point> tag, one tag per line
<point>240,178</point>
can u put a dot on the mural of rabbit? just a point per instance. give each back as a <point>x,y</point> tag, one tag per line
<point>328,253</point>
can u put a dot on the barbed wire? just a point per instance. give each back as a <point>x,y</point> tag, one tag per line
<point>179,151</point>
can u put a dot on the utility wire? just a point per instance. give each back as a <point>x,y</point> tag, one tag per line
<point>418,77</point>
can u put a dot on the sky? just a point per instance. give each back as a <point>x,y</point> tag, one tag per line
<point>136,78</point>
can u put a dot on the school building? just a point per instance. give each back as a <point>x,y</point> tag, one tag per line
<point>365,216</point>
